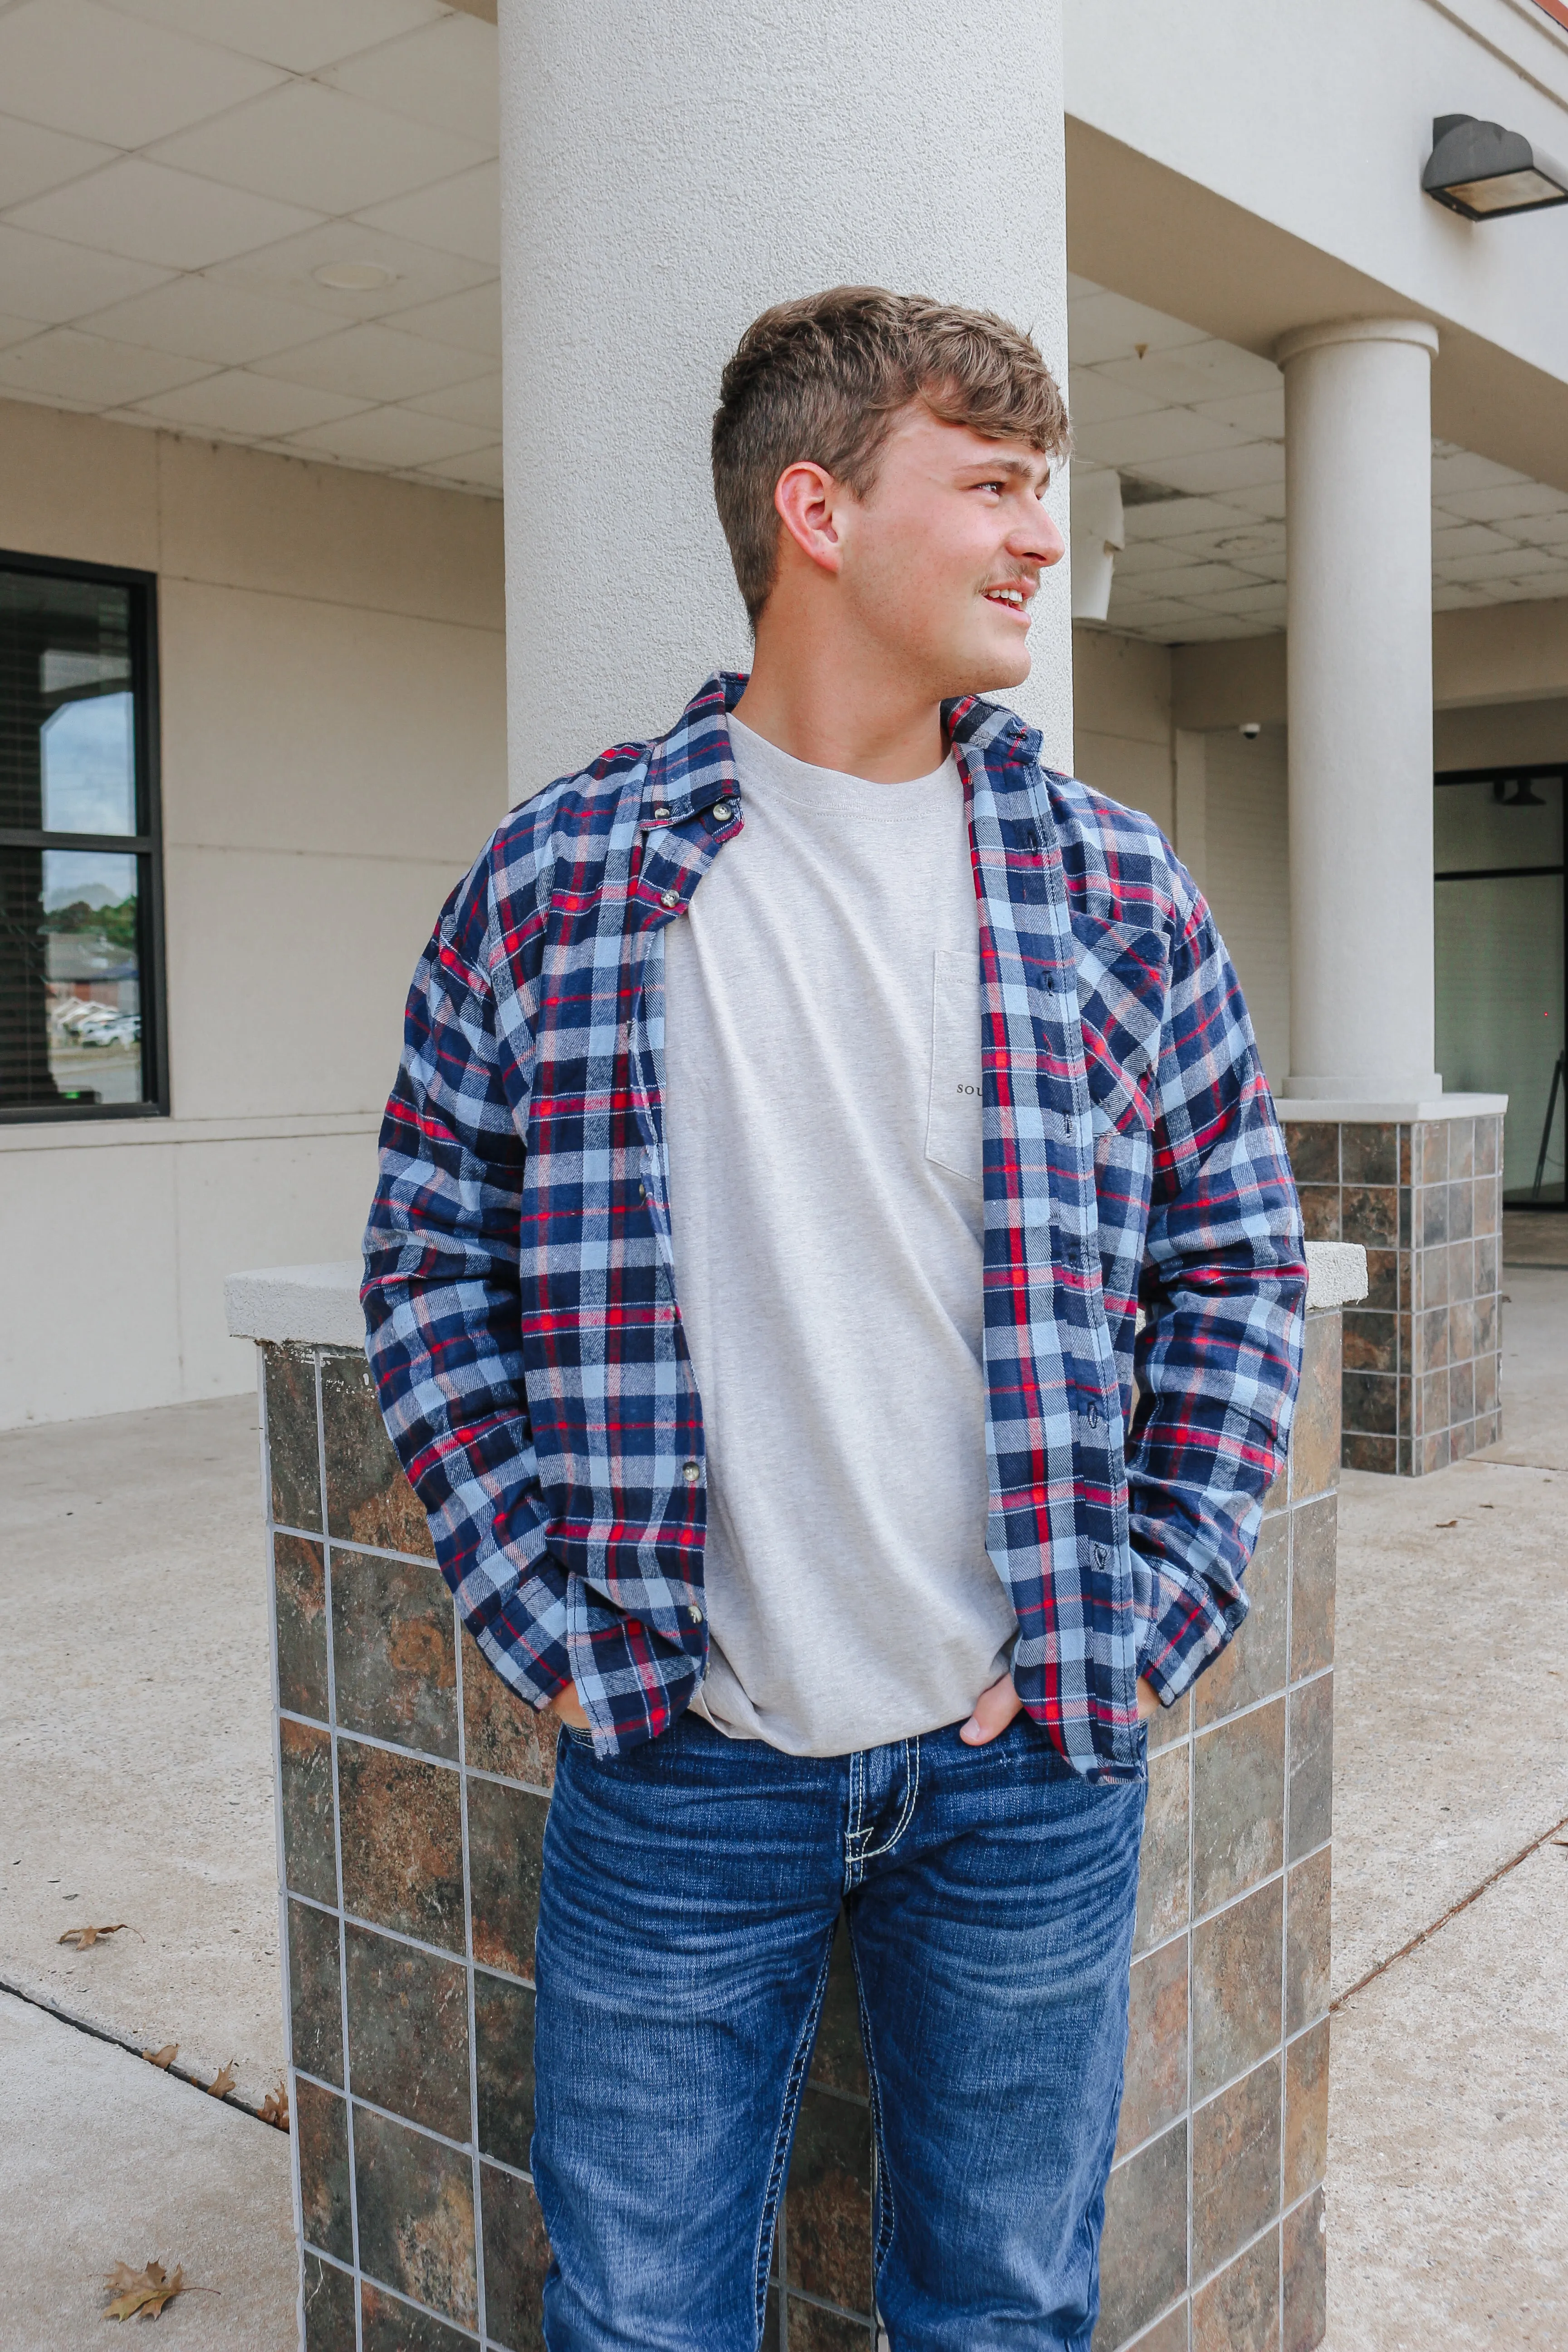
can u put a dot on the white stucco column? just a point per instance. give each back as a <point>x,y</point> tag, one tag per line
<point>666,173</point>
<point>1358,461</point>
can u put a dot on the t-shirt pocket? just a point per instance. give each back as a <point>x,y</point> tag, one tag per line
<point>952,1115</point>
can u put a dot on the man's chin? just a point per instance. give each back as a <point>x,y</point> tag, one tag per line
<point>994,671</point>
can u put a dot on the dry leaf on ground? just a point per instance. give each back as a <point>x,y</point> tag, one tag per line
<point>222,2083</point>
<point>165,2057</point>
<point>275,2107</point>
<point>144,2291</point>
<point>84,1938</point>
<point>1444,1522</point>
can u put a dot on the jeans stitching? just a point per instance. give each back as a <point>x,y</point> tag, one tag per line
<point>884,2213</point>
<point>913,1771</point>
<point>792,2088</point>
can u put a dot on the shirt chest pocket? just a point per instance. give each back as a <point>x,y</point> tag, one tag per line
<point>953,1114</point>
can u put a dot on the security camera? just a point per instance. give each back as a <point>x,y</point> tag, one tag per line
<point>1252,729</point>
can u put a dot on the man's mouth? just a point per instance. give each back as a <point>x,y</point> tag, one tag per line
<point>1013,594</point>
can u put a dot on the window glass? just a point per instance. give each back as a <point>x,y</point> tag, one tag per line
<point>77,849</point>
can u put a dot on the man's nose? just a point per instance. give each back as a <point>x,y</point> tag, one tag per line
<point>1037,539</point>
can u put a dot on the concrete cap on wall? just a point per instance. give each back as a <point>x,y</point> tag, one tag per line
<point>318,1305</point>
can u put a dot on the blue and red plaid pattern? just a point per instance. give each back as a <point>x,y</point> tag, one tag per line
<point>520,1297</point>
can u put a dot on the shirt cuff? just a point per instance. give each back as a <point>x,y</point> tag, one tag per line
<point>1182,1629</point>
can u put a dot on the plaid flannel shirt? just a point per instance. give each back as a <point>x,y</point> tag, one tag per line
<point>524,1329</point>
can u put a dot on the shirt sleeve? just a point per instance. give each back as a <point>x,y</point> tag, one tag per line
<point>1218,1358</point>
<point>441,1298</point>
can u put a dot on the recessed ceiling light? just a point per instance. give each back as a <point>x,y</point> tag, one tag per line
<point>354,277</point>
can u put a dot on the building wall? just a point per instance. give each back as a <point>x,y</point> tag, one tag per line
<point>1248,879</point>
<point>333,755</point>
<point>1121,719</point>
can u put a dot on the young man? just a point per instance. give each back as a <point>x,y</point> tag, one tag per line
<point>795,1115</point>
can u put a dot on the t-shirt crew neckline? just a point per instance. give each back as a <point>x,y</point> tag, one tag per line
<point>761,762</point>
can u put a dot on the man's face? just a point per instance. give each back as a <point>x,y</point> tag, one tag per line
<point>942,558</point>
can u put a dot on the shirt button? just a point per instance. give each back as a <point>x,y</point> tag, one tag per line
<point>690,1473</point>
<point>642,1191</point>
<point>661,816</point>
<point>1094,1416</point>
<point>695,1614</point>
<point>669,897</point>
<point>723,812</point>
<point>1101,1555</point>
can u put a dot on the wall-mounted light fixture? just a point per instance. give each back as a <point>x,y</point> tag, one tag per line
<point>1483,171</point>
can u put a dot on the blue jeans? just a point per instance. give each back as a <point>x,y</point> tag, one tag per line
<point>690,1893</point>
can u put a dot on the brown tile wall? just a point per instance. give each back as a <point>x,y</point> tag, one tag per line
<point>410,1984</point>
<point>1212,2211</point>
<point>1421,1370</point>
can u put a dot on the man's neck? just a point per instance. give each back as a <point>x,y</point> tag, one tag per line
<point>818,713</point>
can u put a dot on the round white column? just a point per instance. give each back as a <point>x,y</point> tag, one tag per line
<point>1357,470</point>
<point>666,173</point>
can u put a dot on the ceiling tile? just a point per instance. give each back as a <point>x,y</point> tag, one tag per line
<point>1094,399</point>
<point>471,321</point>
<point>447,74</point>
<point>1513,563</point>
<point>460,215</point>
<point>314,146</point>
<point>1163,432</point>
<point>374,363</point>
<point>1507,502</point>
<point>1261,414</point>
<point>1465,472</point>
<point>204,320</point>
<point>1262,543</point>
<point>472,404</point>
<point>33,159</point>
<point>1260,498</point>
<point>1201,370</point>
<point>1168,517</point>
<point>1146,612</point>
<point>1265,598</point>
<point>148,213</point>
<point>17,331</point>
<point>1541,584</point>
<point>302,34</point>
<point>1205,579</point>
<point>42,278</point>
<point>287,271</point>
<point>391,436</point>
<point>1218,470</point>
<point>1469,538</point>
<point>1108,327</point>
<point>143,81</point>
<point>85,368</point>
<point>1143,558</point>
<point>1451,598</point>
<point>258,407</point>
<point>1540,530</point>
<point>483,470</point>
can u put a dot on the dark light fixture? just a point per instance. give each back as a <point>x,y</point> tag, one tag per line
<point>1484,171</point>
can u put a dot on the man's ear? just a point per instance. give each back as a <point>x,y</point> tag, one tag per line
<point>807,497</point>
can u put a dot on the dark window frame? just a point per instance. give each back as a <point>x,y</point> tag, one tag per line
<point>1510,771</point>
<point>146,844</point>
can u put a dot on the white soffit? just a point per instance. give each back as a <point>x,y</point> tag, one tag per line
<point>1196,428</point>
<point>176,174</point>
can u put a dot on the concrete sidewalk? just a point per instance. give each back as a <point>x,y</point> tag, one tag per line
<point>135,1753</point>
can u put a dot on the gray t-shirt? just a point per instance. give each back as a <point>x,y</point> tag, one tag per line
<point>822,1053</point>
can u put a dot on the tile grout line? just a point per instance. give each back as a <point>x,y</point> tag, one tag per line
<point>284,1971</point>
<point>1452,1912</point>
<point>482,2311</point>
<point>338,1852</point>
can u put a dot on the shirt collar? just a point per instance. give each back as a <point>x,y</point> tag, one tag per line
<point>692,766</point>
